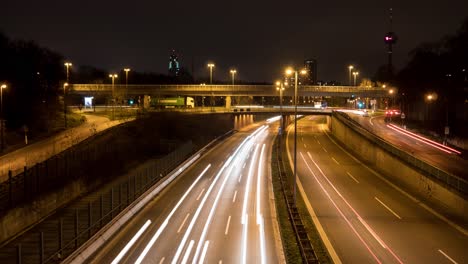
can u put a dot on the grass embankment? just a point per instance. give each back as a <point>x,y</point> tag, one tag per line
<point>288,237</point>
<point>117,114</point>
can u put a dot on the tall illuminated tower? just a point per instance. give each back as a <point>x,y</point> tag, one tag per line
<point>390,39</point>
<point>174,66</point>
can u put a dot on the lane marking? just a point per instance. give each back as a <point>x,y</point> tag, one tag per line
<point>324,150</point>
<point>388,208</point>
<point>227,226</point>
<point>349,174</point>
<point>305,146</point>
<point>335,161</point>
<point>166,221</point>
<point>240,177</point>
<point>409,196</point>
<point>162,260</point>
<point>234,198</point>
<point>310,209</point>
<point>447,256</point>
<point>220,262</point>
<point>243,166</point>
<point>318,142</point>
<point>370,120</point>
<point>131,242</point>
<point>198,198</point>
<point>183,223</point>
<point>354,211</point>
<point>187,253</point>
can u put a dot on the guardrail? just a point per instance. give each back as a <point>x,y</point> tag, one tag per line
<point>454,182</point>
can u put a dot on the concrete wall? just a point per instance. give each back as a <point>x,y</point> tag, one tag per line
<point>399,172</point>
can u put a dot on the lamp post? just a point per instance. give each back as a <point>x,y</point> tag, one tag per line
<point>233,72</point>
<point>280,88</point>
<point>211,66</point>
<point>113,76</point>
<point>2,122</point>
<point>65,85</point>
<point>295,72</point>
<point>68,65</point>
<point>126,70</point>
<point>350,68</point>
<point>355,74</point>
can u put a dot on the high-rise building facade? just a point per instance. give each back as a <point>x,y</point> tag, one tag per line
<point>174,66</point>
<point>311,68</point>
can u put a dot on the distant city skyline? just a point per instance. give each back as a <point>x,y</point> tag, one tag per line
<point>258,39</point>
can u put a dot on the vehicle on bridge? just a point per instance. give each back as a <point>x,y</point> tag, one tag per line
<point>173,102</point>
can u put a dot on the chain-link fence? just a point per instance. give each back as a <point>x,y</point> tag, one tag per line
<point>59,237</point>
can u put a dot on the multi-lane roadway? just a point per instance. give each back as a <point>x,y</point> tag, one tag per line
<point>362,217</point>
<point>220,210</point>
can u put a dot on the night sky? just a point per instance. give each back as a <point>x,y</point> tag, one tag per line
<point>258,38</point>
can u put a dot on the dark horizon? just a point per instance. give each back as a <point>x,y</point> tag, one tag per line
<point>258,39</point>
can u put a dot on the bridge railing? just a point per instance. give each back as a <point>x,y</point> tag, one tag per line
<point>216,89</point>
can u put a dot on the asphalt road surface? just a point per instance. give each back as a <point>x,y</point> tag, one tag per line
<point>362,217</point>
<point>220,210</point>
<point>451,163</point>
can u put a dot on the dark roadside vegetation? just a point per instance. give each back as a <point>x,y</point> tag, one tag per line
<point>150,137</point>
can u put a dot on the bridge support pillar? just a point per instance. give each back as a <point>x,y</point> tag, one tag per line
<point>228,102</point>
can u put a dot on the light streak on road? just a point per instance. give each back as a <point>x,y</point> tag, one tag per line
<point>447,256</point>
<point>371,231</point>
<point>247,142</point>
<point>388,208</point>
<point>340,212</point>
<point>183,223</point>
<point>187,253</point>
<point>423,139</point>
<point>131,242</point>
<point>163,226</point>
<point>227,226</point>
<point>260,222</point>
<point>203,255</point>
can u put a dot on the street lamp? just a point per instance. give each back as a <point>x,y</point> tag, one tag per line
<point>290,71</point>
<point>2,123</point>
<point>126,70</point>
<point>65,85</point>
<point>233,72</point>
<point>355,74</point>
<point>280,88</point>
<point>350,68</point>
<point>211,65</point>
<point>68,65</point>
<point>3,86</point>
<point>113,76</point>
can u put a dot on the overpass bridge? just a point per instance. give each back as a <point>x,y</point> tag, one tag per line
<point>226,90</point>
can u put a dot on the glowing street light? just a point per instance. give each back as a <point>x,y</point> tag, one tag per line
<point>288,72</point>
<point>350,68</point>
<point>126,70</point>
<point>211,66</point>
<point>355,74</point>
<point>113,76</point>
<point>68,65</point>
<point>65,85</point>
<point>233,72</point>
<point>2,123</point>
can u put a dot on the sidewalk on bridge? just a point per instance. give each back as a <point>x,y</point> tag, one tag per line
<point>41,150</point>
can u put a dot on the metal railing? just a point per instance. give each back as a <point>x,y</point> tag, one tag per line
<point>226,90</point>
<point>305,246</point>
<point>452,181</point>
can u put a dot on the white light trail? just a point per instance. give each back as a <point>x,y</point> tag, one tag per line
<point>164,224</point>
<point>187,253</point>
<point>131,242</point>
<point>203,255</point>
<point>260,222</point>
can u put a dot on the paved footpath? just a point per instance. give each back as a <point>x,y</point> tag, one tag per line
<point>46,148</point>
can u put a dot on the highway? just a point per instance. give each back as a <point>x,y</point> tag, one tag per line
<point>363,217</point>
<point>449,162</point>
<point>220,210</point>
